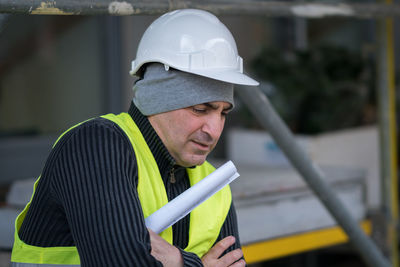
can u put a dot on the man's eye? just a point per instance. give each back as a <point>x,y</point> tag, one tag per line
<point>199,110</point>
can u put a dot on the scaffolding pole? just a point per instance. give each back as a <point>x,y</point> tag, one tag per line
<point>310,9</point>
<point>388,140</point>
<point>262,109</point>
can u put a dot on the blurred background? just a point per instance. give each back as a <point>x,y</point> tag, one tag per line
<point>320,74</point>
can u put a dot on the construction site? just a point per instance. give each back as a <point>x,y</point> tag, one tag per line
<point>315,144</point>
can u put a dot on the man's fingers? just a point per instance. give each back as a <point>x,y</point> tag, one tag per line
<point>240,263</point>
<point>169,255</point>
<point>231,257</point>
<point>221,246</point>
<point>152,235</point>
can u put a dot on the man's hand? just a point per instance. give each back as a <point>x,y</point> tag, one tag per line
<point>211,259</point>
<point>169,255</point>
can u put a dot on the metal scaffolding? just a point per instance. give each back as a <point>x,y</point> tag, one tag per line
<point>219,7</point>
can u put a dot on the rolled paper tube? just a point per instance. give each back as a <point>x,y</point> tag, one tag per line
<point>183,204</point>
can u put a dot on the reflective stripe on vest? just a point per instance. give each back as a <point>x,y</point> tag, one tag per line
<point>205,221</point>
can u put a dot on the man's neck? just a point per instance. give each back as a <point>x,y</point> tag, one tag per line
<point>163,158</point>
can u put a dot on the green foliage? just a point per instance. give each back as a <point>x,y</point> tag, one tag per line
<point>318,90</point>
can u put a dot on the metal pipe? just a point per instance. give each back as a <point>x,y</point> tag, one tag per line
<point>388,143</point>
<point>219,7</point>
<point>261,108</point>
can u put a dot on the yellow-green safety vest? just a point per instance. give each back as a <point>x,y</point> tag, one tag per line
<point>206,220</point>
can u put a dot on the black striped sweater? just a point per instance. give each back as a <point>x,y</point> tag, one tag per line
<point>87,197</point>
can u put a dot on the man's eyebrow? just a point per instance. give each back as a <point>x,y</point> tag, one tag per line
<point>214,106</point>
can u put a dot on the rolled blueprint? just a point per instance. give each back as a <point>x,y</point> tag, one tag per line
<point>183,204</point>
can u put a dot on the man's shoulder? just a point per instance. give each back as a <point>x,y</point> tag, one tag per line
<point>93,128</point>
<point>98,122</point>
<point>94,124</point>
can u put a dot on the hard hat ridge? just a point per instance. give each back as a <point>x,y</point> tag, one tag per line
<point>193,41</point>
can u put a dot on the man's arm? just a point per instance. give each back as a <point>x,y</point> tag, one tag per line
<point>225,252</point>
<point>94,182</point>
<point>227,249</point>
<point>170,257</point>
<point>230,228</point>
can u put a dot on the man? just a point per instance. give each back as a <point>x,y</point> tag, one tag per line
<point>105,175</point>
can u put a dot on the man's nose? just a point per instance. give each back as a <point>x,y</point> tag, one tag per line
<point>213,125</point>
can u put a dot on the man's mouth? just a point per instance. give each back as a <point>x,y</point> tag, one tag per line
<point>202,145</point>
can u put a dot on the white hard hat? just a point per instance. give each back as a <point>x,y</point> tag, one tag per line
<point>193,41</point>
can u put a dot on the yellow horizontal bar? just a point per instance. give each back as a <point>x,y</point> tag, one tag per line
<point>298,243</point>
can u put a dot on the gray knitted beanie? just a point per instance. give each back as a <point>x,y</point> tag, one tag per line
<point>163,90</point>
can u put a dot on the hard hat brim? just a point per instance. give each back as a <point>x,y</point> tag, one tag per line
<point>229,76</point>
<point>226,75</point>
